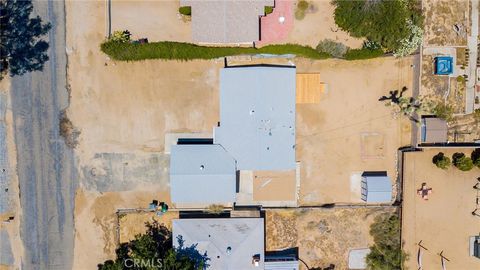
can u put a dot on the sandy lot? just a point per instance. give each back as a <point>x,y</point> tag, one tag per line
<point>155,20</point>
<point>131,224</point>
<point>123,111</point>
<point>440,18</point>
<point>444,222</point>
<point>349,131</point>
<point>319,24</point>
<point>323,236</point>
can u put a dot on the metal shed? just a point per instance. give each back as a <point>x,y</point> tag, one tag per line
<point>434,130</point>
<point>376,187</point>
<point>203,174</point>
<point>257,116</point>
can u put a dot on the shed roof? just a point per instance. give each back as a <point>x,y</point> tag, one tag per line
<point>226,21</point>
<point>434,130</point>
<point>202,174</point>
<point>244,236</point>
<point>257,116</point>
<point>376,189</point>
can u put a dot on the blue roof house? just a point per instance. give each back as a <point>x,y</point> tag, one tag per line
<point>376,187</point>
<point>202,174</point>
<point>257,116</point>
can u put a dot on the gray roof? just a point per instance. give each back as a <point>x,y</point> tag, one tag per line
<point>434,130</point>
<point>376,189</point>
<point>202,174</point>
<point>244,236</point>
<point>282,265</point>
<point>226,21</point>
<point>257,116</point>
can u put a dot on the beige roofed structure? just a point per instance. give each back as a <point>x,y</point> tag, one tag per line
<point>226,21</point>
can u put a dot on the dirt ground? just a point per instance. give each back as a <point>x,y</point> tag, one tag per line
<point>12,227</point>
<point>444,222</point>
<point>319,24</point>
<point>323,236</point>
<point>349,131</point>
<point>440,18</point>
<point>131,224</point>
<point>155,20</point>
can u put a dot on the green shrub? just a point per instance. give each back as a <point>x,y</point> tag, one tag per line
<point>335,49</point>
<point>120,36</point>
<point>268,10</point>
<point>476,115</point>
<point>386,252</point>
<point>475,156</point>
<point>441,161</point>
<point>394,24</point>
<point>187,11</point>
<point>460,79</point>
<point>302,5</point>
<point>443,111</point>
<point>462,162</point>
<point>363,53</point>
<point>169,50</point>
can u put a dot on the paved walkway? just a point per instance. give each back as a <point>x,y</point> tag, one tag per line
<point>275,27</point>
<point>472,61</point>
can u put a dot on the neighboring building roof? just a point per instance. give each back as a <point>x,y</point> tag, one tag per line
<point>229,243</point>
<point>257,116</point>
<point>357,258</point>
<point>226,21</point>
<point>282,265</point>
<point>202,174</point>
<point>434,130</point>
<point>376,188</point>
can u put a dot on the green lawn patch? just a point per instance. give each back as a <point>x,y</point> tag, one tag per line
<point>364,53</point>
<point>169,50</point>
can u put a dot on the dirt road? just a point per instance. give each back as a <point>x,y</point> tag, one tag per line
<point>45,165</point>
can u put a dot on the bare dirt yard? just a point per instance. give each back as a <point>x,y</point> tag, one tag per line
<point>349,131</point>
<point>323,236</point>
<point>123,111</point>
<point>155,20</point>
<point>446,22</point>
<point>319,24</point>
<point>444,223</point>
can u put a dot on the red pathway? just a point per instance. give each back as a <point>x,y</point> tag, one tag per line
<point>275,26</point>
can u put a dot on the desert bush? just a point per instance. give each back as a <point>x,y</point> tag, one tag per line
<point>386,252</point>
<point>187,11</point>
<point>462,162</point>
<point>169,50</point>
<point>443,111</point>
<point>475,156</point>
<point>335,49</point>
<point>69,133</point>
<point>121,36</point>
<point>215,209</point>
<point>363,53</point>
<point>441,161</point>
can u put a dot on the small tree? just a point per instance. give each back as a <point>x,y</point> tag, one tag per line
<point>441,161</point>
<point>21,47</point>
<point>386,252</point>
<point>462,162</point>
<point>476,157</point>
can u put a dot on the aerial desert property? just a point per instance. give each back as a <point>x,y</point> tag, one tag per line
<point>240,134</point>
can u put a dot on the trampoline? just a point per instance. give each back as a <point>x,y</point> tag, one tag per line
<point>443,65</point>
